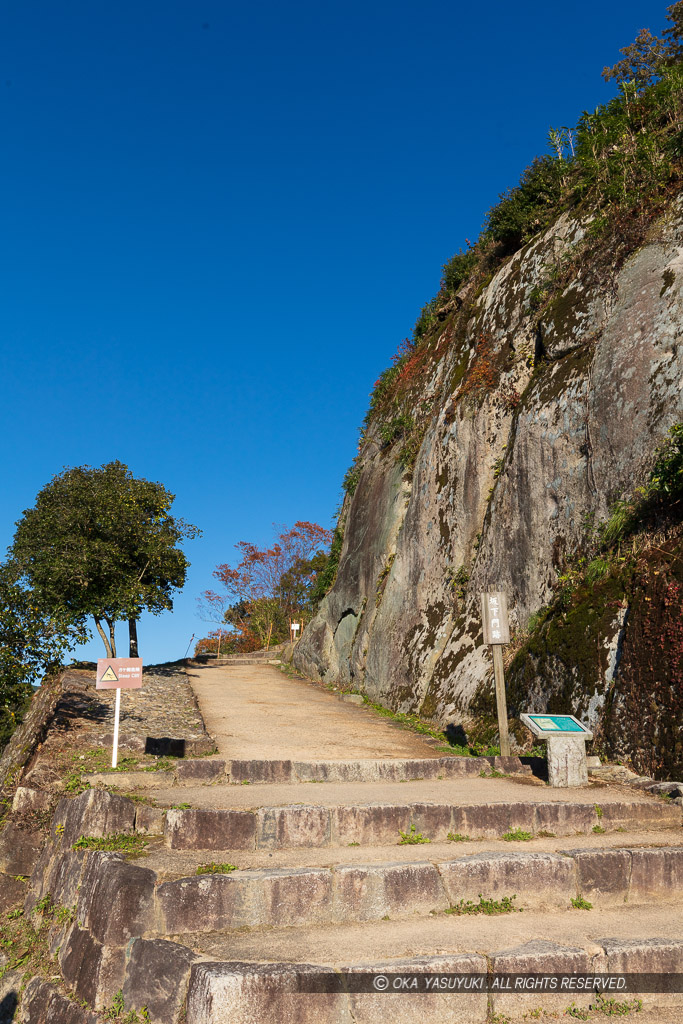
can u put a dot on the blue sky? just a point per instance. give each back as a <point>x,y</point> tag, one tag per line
<point>221,219</point>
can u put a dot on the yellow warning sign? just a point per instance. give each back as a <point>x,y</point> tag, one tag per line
<point>109,676</point>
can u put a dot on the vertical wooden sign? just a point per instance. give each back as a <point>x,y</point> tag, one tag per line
<point>494,617</point>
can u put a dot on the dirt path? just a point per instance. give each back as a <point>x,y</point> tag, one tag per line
<point>254,711</point>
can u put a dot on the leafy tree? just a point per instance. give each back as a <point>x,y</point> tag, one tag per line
<point>32,642</point>
<point>647,56</point>
<point>270,586</point>
<point>101,542</point>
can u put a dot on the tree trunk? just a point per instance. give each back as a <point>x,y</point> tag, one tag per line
<point>112,635</point>
<point>107,645</point>
<point>133,638</point>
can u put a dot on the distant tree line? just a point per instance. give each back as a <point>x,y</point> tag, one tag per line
<point>266,590</point>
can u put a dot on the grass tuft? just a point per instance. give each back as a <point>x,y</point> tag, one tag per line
<point>215,869</point>
<point>124,842</point>
<point>517,835</point>
<point>485,906</point>
<point>412,837</point>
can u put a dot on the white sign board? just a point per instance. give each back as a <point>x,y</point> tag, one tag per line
<point>494,615</point>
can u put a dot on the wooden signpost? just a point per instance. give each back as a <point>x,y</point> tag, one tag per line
<point>295,626</point>
<point>118,674</point>
<point>494,614</point>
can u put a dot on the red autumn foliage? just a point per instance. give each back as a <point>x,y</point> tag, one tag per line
<point>482,375</point>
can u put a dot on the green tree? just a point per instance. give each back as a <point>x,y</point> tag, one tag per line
<point>32,642</point>
<point>102,542</point>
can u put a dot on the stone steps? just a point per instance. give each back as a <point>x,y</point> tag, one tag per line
<point>213,770</point>
<point>317,825</point>
<point>243,992</point>
<point>370,942</point>
<point>301,897</point>
<point>223,948</point>
<point>172,864</point>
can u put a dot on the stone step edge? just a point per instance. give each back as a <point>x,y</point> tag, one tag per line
<point>252,992</point>
<point>117,900</point>
<point>200,990</point>
<point>318,826</point>
<point>273,772</point>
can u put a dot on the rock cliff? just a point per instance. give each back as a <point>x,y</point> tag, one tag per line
<point>533,400</point>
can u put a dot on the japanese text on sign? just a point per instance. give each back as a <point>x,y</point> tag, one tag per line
<point>494,613</point>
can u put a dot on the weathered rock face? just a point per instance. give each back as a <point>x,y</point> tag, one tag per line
<point>531,427</point>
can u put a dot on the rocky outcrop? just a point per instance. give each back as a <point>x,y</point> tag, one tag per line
<point>532,424</point>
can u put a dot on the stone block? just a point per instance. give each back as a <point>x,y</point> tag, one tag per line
<point>206,903</point>
<point>564,818</point>
<point>62,877</point>
<point>412,888</point>
<point>433,821</point>
<point>455,767</point>
<point>537,879</point>
<point>359,893</point>
<point>281,828</point>
<point>20,849</point>
<point>491,821</point>
<point>433,1008</point>
<point>259,771</point>
<point>352,698</point>
<point>602,875</point>
<point>296,897</point>
<point>201,745</point>
<point>656,872</point>
<point>43,1004</point>
<point>369,825</point>
<point>201,772</point>
<point>646,956</point>
<point>27,800</point>
<point>540,957</point>
<point>92,971</point>
<point>509,765</point>
<point>149,820</point>
<point>205,829</point>
<point>245,993</point>
<point>157,976</point>
<point>93,813</point>
<point>639,814</point>
<point>567,761</point>
<point>116,899</point>
<point>334,771</point>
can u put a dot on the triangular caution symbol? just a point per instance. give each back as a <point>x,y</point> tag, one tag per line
<point>109,676</point>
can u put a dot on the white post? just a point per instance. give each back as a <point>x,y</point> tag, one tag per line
<point>115,750</point>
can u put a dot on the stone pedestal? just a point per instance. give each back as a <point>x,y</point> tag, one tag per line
<point>567,761</point>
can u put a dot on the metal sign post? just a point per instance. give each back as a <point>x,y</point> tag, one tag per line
<point>118,674</point>
<point>494,613</point>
